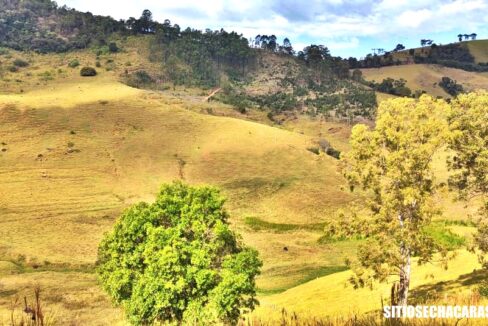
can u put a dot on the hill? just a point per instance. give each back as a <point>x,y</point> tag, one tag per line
<point>71,146</point>
<point>479,50</point>
<point>75,151</point>
<point>426,77</point>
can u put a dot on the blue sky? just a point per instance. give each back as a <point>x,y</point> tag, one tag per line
<point>347,27</point>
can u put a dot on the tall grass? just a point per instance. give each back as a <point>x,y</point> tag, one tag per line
<point>25,313</point>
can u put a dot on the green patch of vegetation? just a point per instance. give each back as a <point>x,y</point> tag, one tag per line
<point>391,86</point>
<point>468,223</point>
<point>451,86</point>
<point>140,79</point>
<point>74,63</point>
<point>257,224</point>
<point>308,274</point>
<point>45,76</point>
<point>20,63</point>
<point>445,237</point>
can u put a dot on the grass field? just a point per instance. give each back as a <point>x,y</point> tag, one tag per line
<point>79,150</point>
<point>333,295</point>
<point>479,50</point>
<point>426,77</point>
<point>76,151</point>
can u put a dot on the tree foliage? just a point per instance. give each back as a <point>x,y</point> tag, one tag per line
<point>20,26</point>
<point>177,260</point>
<point>451,86</point>
<point>469,163</point>
<point>194,57</point>
<point>392,164</point>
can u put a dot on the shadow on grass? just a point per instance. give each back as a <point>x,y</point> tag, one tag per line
<point>429,292</point>
<point>257,224</point>
<point>308,274</point>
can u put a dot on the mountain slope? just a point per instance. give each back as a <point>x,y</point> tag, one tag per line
<point>76,151</point>
<point>427,76</point>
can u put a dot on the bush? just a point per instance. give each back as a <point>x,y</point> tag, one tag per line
<point>98,64</point>
<point>139,79</point>
<point>73,63</point>
<point>88,72</point>
<point>13,69</point>
<point>451,86</point>
<point>112,47</point>
<point>20,63</point>
<point>178,249</point>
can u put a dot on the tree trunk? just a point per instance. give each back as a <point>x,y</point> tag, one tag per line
<point>404,283</point>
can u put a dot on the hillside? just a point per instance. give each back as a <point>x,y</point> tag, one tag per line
<point>426,77</point>
<point>479,50</point>
<point>263,125</point>
<point>79,140</point>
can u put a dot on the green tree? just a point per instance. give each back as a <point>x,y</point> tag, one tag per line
<point>177,260</point>
<point>392,164</point>
<point>469,163</point>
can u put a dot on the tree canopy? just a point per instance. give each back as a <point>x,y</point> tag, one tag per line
<point>469,163</point>
<point>177,260</point>
<point>392,164</point>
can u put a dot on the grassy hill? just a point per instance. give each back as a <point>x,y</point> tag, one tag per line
<point>333,296</point>
<point>479,50</point>
<point>76,151</point>
<point>427,76</point>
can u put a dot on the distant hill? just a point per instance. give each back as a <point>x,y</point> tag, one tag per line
<point>426,77</point>
<point>42,26</point>
<point>466,55</point>
<point>263,75</point>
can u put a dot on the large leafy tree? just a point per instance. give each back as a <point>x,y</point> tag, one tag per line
<point>469,143</point>
<point>177,260</point>
<point>392,164</point>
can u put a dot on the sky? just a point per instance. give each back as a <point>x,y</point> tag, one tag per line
<point>346,27</point>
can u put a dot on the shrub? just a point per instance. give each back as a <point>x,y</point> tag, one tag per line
<point>483,289</point>
<point>451,86</point>
<point>73,63</point>
<point>177,261</point>
<point>98,64</point>
<point>112,47</point>
<point>20,63</point>
<point>139,79</point>
<point>45,76</point>
<point>88,72</point>
<point>13,69</point>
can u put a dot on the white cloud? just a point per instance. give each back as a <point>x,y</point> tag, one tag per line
<point>340,24</point>
<point>411,18</point>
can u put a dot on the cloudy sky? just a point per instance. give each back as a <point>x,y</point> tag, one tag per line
<point>347,27</point>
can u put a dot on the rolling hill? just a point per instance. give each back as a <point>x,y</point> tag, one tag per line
<point>76,151</point>
<point>425,77</point>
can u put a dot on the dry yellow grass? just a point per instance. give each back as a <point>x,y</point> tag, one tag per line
<point>479,50</point>
<point>425,77</point>
<point>79,150</point>
<point>332,295</point>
